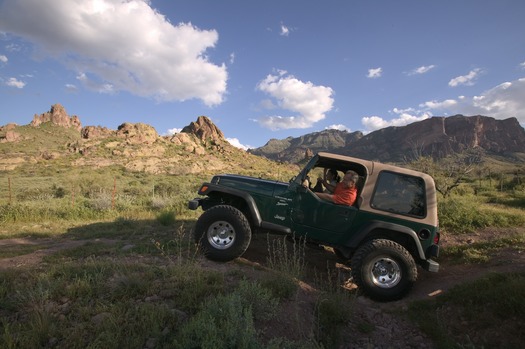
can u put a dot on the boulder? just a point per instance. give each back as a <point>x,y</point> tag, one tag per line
<point>11,136</point>
<point>95,132</point>
<point>138,133</point>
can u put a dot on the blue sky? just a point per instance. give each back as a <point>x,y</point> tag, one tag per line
<point>262,69</point>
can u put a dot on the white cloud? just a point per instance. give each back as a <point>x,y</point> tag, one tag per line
<point>446,104</point>
<point>374,73</point>
<point>172,131</point>
<point>127,45</point>
<point>267,104</point>
<point>71,88</point>
<point>467,80</point>
<point>3,59</point>
<point>339,127</point>
<point>501,102</point>
<point>95,85</point>
<point>372,123</point>
<point>285,31</point>
<point>522,65</point>
<point>236,143</point>
<point>406,116</point>
<point>13,82</point>
<point>308,102</point>
<point>421,70</point>
<point>232,57</point>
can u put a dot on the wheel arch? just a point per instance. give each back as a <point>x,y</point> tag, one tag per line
<point>395,232</point>
<point>239,199</point>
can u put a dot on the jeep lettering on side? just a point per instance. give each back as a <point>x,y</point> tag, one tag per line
<point>390,230</point>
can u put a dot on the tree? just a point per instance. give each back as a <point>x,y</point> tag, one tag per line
<point>449,172</point>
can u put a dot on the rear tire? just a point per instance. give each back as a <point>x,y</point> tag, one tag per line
<point>223,233</point>
<point>384,270</point>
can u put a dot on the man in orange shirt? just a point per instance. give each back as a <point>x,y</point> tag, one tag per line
<point>345,192</point>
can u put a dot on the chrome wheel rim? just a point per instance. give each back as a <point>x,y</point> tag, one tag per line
<point>221,235</point>
<point>386,272</point>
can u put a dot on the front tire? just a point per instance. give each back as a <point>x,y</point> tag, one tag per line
<point>223,233</point>
<point>384,270</point>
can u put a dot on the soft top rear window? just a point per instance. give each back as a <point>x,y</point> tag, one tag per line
<point>400,193</point>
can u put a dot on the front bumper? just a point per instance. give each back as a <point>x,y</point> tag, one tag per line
<point>194,204</point>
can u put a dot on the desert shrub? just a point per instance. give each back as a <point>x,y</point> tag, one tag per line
<point>287,257</point>
<point>101,202</point>
<point>33,194</point>
<point>159,202</point>
<point>164,189</point>
<point>333,313</point>
<point>124,202</point>
<point>58,191</point>
<point>227,321</point>
<point>263,303</point>
<point>224,322</point>
<point>166,217</point>
<point>281,285</point>
<point>468,213</point>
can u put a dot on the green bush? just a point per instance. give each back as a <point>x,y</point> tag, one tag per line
<point>468,213</point>
<point>227,321</point>
<point>261,300</point>
<point>166,218</point>
<point>280,284</point>
<point>333,313</point>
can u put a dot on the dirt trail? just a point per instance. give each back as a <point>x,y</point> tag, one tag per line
<point>44,247</point>
<point>319,261</point>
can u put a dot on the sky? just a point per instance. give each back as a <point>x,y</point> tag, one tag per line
<point>262,69</point>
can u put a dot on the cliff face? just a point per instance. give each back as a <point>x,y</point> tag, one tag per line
<point>498,136</point>
<point>436,137</point>
<point>441,136</point>
<point>296,149</point>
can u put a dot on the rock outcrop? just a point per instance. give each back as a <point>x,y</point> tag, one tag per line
<point>138,133</point>
<point>58,116</point>
<point>8,133</point>
<point>204,129</point>
<point>96,132</point>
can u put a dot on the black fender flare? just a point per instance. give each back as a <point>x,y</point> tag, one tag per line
<point>363,231</point>
<point>209,188</point>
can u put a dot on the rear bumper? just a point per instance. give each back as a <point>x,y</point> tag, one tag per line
<point>430,265</point>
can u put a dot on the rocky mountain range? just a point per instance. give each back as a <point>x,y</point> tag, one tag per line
<point>56,139</point>
<point>200,146</point>
<point>437,137</point>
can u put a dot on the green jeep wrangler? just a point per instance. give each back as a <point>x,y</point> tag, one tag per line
<point>392,227</point>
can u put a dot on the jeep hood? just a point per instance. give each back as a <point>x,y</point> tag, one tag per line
<point>250,184</point>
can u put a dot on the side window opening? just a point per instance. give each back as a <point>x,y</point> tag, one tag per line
<point>399,193</point>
